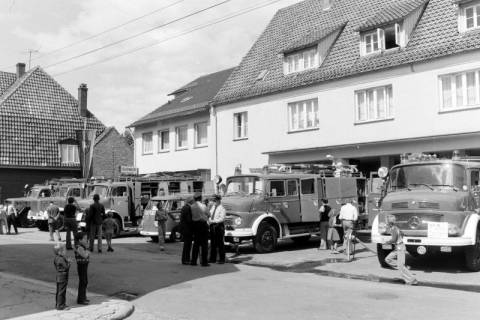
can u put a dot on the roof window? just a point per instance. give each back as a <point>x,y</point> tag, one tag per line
<point>468,16</point>
<point>381,39</point>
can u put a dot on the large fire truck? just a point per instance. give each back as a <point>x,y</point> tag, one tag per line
<point>280,202</point>
<point>436,203</point>
<point>128,199</point>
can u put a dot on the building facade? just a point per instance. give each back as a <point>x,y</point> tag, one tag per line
<point>180,136</point>
<point>360,80</point>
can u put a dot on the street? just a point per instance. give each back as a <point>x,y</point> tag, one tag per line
<point>295,281</point>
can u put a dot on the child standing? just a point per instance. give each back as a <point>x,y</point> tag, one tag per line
<point>110,225</point>
<point>62,265</point>
<point>83,257</point>
<point>332,236</point>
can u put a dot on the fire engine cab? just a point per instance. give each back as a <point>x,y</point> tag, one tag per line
<point>436,203</point>
<point>280,202</point>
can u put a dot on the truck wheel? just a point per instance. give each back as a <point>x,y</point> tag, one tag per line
<point>472,254</point>
<point>381,255</point>
<point>266,238</point>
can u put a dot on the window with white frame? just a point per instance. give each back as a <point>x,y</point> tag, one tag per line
<point>240,125</point>
<point>181,137</point>
<point>147,143</point>
<point>69,154</point>
<point>303,115</point>
<point>163,140</point>
<point>459,90</point>
<point>374,104</point>
<point>381,39</point>
<point>301,60</point>
<point>201,134</point>
<point>470,16</point>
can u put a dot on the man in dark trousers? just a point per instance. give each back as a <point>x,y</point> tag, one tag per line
<point>12,218</point>
<point>70,222</point>
<point>200,231</point>
<point>94,222</point>
<point>217,230</point>
<point>186,229</point>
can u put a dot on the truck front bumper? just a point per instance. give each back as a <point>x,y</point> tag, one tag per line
<point>425,241</point>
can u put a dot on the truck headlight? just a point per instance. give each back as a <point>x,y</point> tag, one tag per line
<point>453,230</point>
<point>237,221</point>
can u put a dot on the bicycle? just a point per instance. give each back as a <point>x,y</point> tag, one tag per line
<point>349,240</point>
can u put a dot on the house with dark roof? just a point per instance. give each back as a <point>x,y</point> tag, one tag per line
<point>360,80</point>
<point>39,121</point>
<point>179,135</point>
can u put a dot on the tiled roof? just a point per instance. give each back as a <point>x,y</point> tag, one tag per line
<point>391,13</point>
<point>312,37</point>
<point>6,80</point>
<point>191,98</point>
<point>35,114</point>
<point>435,35</point>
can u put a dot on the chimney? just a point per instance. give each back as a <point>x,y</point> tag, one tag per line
<point>82,100</point>
<point>20,69</point>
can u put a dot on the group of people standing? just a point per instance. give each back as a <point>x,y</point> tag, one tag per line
<point>8,219</point>
<point>197,222</point>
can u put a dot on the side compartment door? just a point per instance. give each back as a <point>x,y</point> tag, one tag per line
<point>475,187</point>
<point>284,201</point>
<point>120,200</point>
<point>309,200</point>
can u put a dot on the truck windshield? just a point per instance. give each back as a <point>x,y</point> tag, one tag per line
<point>100,190</point>
<point>244,185</point>
<point>427,176</point>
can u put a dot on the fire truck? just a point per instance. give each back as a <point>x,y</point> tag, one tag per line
<point>282,202</point>
<point>436,203</point>
<point>128,199</point>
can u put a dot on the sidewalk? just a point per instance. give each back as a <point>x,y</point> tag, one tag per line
<point>31,298</point>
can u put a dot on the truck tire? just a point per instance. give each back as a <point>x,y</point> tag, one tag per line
<point>266,238</point>
<point>381,255</point>
<point>472,254</point>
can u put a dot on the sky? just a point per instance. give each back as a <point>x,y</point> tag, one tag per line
<point>79,42</point>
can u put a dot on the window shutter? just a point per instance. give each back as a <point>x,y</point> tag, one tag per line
<point>462,21</point>
<point>381,38</point>
<point>363,45</point>
<point>398,35</point>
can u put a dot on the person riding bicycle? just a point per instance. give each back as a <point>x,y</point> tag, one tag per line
<point>348,216</point>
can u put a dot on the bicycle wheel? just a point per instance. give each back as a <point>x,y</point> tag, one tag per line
<point>348,246</point>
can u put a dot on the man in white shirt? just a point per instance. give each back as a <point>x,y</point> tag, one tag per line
<point>12,218</point>
<point>217,230</point>
<point>348,215</point>
<point>200,231</point>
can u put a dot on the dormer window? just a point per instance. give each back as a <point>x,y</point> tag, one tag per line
<point>381,39</point>
<point>469,16</point>
<point>301,60</point>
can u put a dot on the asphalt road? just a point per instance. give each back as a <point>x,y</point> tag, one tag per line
<point>285,284</point>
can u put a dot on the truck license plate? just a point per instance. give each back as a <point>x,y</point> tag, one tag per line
<point>445,249</point>
<point>386,246</point>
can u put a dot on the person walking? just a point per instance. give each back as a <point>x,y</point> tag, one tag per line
<point>12,218</point>
<point>110,226</point>
<point>396,258</point>
<point>70,222</point>
<point>3,220</point>
<point>83,258</point>
<point>62,266</point>
<point>200,231</point>
<point>186,228</point>
<point>324,218</point>
<point>217,230</point>
<point>53,213</point>
<point>94,222</point>
<point>161,218</point>
<point>349,216</point>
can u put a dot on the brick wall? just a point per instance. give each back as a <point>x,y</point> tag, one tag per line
<point>111,152</point>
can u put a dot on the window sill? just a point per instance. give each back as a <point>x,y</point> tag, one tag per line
<point>302,130</point>
<point>457,109</point>
<point>164,151</point>
<point>295,73</point>
<point>147,154</point>
<point>381,52</point>
<point>200,146</point>
<point>70,163</point>
<point>181,149</point>
<point>240,139</point>
<point>373,121</point>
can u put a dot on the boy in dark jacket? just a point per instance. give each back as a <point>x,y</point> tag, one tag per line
<point>62,265</point>
<point>83,257</point>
